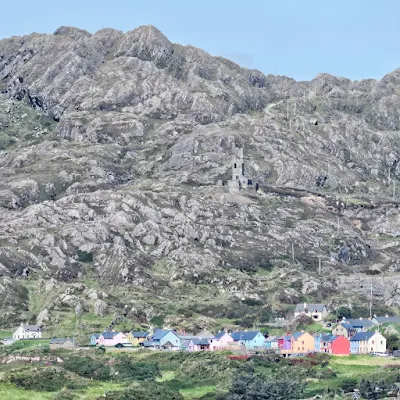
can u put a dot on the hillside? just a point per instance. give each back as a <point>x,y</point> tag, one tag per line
<point>114,150</point>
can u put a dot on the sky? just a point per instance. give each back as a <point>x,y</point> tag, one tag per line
<point>356,39</point>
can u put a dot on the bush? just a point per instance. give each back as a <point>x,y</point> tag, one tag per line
<point>127,369</point>
<point>145,392</point>
<point>44,380</point>
<point>349,384</point>
<point>257,388</point>
<point>84,256</point>
<point>88,368</point>
<point>158,321</point>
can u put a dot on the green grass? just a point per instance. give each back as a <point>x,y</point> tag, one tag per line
<point>197,392</point>
<point>4,334</point>
<point>27,345</point>
<point>10,392</point>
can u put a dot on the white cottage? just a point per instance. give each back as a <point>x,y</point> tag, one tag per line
<point>28,332</point>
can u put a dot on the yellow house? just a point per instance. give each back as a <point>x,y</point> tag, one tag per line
<point>137,337</point>
<point>302,342</point>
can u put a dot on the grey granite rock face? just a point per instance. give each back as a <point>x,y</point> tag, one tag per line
<point>114,148</point>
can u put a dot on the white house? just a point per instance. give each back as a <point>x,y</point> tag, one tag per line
<point>315,311</point>
<point>28,332</point>
<point>367,342</point>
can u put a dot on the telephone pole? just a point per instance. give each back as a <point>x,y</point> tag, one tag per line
<point>319,266</point>
<point>370,305</point>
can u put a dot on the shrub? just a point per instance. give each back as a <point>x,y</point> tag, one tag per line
<point>43,380</point>
<point>145,392</point>
<point>127,369</point>
<point>257,388</point>
<point>88,368</point>
<point>158,321</point>
<point>84,256</point>
<point>349,384</point>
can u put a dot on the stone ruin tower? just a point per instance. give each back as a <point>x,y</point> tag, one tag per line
<point>239,180</point>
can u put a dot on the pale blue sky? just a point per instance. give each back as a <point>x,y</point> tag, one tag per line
<point>298,38</point>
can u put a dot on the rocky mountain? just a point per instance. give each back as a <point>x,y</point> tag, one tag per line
<point>115,201</point>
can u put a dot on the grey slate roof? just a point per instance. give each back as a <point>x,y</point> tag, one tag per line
<point>296,335</point>
<point>200,342</point>
<point>59,340</point>
<point>31,328</point>
<point>140,335</point>
<point>362,336</point>
<point>96,335</point>
<point>109,335</point>
<point>310,307</point>
<point>219,335</point>
<point>328,338</point>
<point>243,335</point>
<point>159,334</point>
<point>359,323</point>
<point>271,339</point>
<point>384,320</point>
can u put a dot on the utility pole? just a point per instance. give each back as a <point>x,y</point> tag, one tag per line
<point>389,175</point>
<point>338,225</point>
<point>319,266</point>
<point>370,305</point>
<point>292,251</point>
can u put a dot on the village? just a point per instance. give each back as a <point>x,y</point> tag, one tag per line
<point>345,337</point>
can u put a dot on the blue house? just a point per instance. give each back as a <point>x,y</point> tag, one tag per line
<point>163,339</point>
<point>94,339</point>
<point>249,339</point>
<point>359,342</point>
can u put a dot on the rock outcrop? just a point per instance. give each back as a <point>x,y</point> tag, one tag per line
<point>114,151</point>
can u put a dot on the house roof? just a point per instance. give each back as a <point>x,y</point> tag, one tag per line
<point>244,335</point>
<point>59,340</point>
<point>347,326</point>
<point>160,333</point>
<point>287,337</point>
<point>31,327</point>
<point>296,335</point>
<point>139,334</point>
<point>328,338</point>
<point>96,335</point>
<point>359,323</point>
<point>271,338</point>
<point>185,343</point>
<point>200,341</point>
<point>384,320</point>
<point>310,307</point>
<point>219,335</point>
<point>362,336</point>
<point>109,335</point>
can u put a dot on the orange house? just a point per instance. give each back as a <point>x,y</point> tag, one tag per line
<point>302,342</point>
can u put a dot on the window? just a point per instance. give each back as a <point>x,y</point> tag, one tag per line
<point>302,342</point>
<point>373,342</point>
<point>237,177</point>
<point>234,165</point>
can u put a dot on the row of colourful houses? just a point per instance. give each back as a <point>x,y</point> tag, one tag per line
<point>168,339</point>
<point>298,342</point>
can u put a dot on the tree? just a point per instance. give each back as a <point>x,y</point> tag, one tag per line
<point>254,387</point>
<point>392,342</point>
<point>344,312</point>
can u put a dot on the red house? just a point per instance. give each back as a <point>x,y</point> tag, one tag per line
<point>337,345</point>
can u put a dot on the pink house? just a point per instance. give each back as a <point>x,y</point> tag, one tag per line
<point>112,339</point>
<point>220,341</point>
<point>199,344</point>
